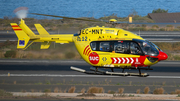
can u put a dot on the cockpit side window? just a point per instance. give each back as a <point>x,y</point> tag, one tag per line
<point>135,49</point>
<point>93,46</point>
<point>121,47</point>
<point>104,46</point>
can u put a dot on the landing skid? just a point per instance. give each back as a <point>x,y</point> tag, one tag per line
<point>96,71</point>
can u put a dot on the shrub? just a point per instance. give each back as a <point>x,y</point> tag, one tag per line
<point>158,91</point>
<point>83,90</point>
<point>137,25</point>
<point>172,92</point>
<point>146,90</point>
<point>47,91</point>
<point>60,91</point>
<point>177,57</point>
<point>144,25</point>
<point>176,30</point>
<point>48,82</point>
<point>65,90</point>
<point>138,91</point>
<point>32,90</point>
<point>169,25</point>
<point>11,53</point>
<point>120,90</point>
<point>72,90</point>
<point>178,27</point>
<point>177,91</point>
<point>155,26</point>
<point>56,90</point>
<point>162,29</point>
<point>95,90</point>
<point>160,11</point>
<point>111,92</point>
<point>3,93</point>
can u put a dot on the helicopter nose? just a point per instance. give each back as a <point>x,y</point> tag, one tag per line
<point>162,56</point>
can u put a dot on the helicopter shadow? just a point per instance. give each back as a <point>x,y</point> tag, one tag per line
<point>43,67</point>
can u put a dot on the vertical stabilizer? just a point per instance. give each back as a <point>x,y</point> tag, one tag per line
<point>23,38</point>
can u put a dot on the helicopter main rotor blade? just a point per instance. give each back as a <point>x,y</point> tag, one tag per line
<point>93,20</point>
<point>145,23</point>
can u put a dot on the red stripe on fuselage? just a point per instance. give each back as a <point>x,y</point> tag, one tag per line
<point>14,26</point>
<point>17,29</point>
<point>85,48</point>
<point>87,51</point>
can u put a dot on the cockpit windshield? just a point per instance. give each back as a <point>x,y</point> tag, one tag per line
<point>148,48</point>
<point>153,44</point>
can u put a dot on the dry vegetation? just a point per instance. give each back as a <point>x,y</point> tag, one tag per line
<point>72,89</point>
<point>3,93</point>
<point>95,90</point>
<point>47,91</point>
<point>83,90</point>
<point>33,90</point>
<point>158,91</point>
<point>120,90</point>
<point>146,90</point>
<point>111,92</point>
<point>177,91</point>
<point>56,90</point>
<point>138,91</point>
<point>172,50</point>
<point>65,91</point>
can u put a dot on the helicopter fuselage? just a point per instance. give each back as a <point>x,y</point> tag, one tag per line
<point>115,48</point>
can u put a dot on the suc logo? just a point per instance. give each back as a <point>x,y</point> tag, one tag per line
<point>94,58</point>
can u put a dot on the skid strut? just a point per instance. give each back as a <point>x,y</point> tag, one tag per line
<point>102,72</point>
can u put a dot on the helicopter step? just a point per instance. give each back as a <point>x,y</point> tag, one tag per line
<point>137,74</point>
<point>97,70</point>
<point>118,73</point>
<point>102,72</point>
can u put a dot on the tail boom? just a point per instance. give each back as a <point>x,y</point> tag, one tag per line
<point>25,35</point>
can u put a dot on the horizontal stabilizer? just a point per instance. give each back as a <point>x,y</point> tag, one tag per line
<point>41,30</point>
<point>45,45</point>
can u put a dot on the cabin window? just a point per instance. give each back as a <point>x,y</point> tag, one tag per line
<point>135,49</point>
<point>121,47</point>
<point>93,46</point>
<point>104,46</point>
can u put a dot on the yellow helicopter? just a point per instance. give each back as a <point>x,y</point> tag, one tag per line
<point>101,47</point>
